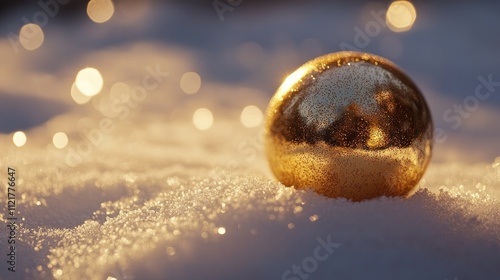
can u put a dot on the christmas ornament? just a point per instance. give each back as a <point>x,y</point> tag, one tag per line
<point>350,125</point>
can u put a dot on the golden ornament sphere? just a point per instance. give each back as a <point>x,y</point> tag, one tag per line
<point>350,125</point>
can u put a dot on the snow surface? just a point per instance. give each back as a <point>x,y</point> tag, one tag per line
<point>167,188</point>
<point>158,199</point>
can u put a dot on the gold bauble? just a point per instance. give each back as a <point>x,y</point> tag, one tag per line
<point>350,125</point>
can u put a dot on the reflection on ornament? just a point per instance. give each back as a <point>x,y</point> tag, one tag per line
<point>349,125</point>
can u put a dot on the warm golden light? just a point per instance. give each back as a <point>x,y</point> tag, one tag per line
<point>31,36</point>
<point>60,140</point>
<point>78,96</point>
<point>203,119</point>
<point>339,129</point>
<point>290,81</point>
<point>89,81</point>
<point>19,139</point>
<point>251,116</point>
<point>190,83</point>
<point>293,78</point>
<point>385,99</point>
<point>120,91</point>
<point>170,251</point>
<point>221,231</point>
<point>400,16</point>
<point>313,218</point>
<point>58,273</point>
<point>377,138</point>
<point>100,10</point>
<point>496,163</point>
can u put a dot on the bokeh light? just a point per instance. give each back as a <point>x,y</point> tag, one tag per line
<point>19,139</point>
<point>203,119</point>
<point>100,11</point>
<point>221,230</point>
<point>496,163</point>
<point>251,116</point>
<point>120,91</point>
<point>190,82</point>
<point>170,251</point>
<point>78,96</point>
<point>313,218</point>
<point>31,36</point>
<point>60,140</point>
<point>400,16</point>
<point>89,81</point>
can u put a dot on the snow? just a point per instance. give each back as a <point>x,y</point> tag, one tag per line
<point>155,198</point>
<point>141,195</point>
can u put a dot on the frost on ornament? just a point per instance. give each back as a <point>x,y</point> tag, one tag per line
<point>349,125</point>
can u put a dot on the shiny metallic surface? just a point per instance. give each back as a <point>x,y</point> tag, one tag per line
<point>349,125</point>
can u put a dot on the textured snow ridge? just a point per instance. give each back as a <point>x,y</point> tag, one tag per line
<point>146,206</point>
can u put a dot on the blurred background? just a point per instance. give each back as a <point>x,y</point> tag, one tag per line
<point>66,62</point>
<point>136,130</point>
